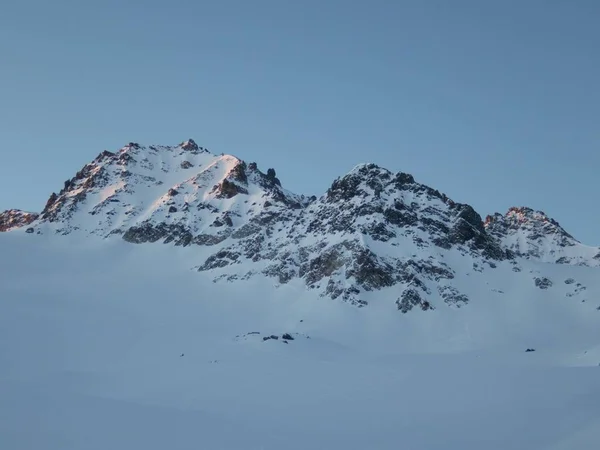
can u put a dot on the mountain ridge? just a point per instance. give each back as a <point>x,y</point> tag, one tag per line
<point>371,230</point>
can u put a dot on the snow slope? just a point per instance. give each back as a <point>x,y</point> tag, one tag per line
<point>104,344</point>
<point>381,315</point>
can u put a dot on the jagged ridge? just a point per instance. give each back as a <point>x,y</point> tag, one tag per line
<point>371,230</point>
<point>532,234</point>
<point>12,219</point>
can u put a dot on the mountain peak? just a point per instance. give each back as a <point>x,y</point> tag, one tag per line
<point>366,180</point>
<point>372,229</point>
<point>524,214</point>
<point>526,218</point>
<point>16,218</point>
<point>533,234</point>
<point>190,144</point>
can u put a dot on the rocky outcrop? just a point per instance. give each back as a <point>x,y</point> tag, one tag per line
<point>411,298</point>
<point>329,243</point>
<point>15,218</point>
<point>532,234</point>
<point>542,283</point>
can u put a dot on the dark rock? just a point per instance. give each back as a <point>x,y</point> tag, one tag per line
<point>344,189</point>
<point>105,155</point>
<point>529,350</point>
<point>323,265</point>
<point>379,232</point>
<point>209,239</point>
<point>51,201</point>
<point>15,218</point>
<point>124,158</point>
<point>238,173</point>
<point>172,209</point>
<point>172,192</point>
<point>400,218</point>
<point>271,176</point>
<point>369,272</point>
<point>228,189</point>
<point>147,232</point>
<point>468,228</point>
<point>402,179</point>
<point>282,271</point>
<point>452,296</point>
<point>542,283</point>
<point>246,230</point>
<point>411,298</point>
<point>189,145</point>
<point>287,336</point>
<point>220,259</point>
<point>186,165</point>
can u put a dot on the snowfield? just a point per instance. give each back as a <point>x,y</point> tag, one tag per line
<point>108,345</point>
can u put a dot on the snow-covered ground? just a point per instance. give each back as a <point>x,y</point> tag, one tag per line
<point>108,345</point>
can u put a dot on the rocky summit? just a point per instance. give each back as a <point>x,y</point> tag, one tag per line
<point>372,230</point>
<point>532,234</point>
<point>15,218</point>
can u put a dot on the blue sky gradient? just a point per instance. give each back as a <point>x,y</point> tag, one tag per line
<point>495,103</point>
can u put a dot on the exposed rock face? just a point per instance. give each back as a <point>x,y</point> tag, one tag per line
<point>372,230</point>
<point>229,189</point>
<point>329,243</point>
<point>542,283</point>
<point>533,235</point>
<point>190,145</point>
<point>15,218</point>
<point>411,298</point>
<point>452,296</point>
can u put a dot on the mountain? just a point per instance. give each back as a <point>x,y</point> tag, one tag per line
<point>186,300</point>
<point>15,218</point>
<point>533,235</point>
<point>372,231</point>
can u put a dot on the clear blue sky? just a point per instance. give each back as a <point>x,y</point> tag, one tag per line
<point>496,103</point>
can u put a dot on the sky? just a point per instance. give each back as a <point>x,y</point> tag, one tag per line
<point>496,104</point>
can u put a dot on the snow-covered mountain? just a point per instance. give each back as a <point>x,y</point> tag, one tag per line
<point>372,231</point>
<point>468,334</point>
<point>533,235</point>
<point>15,218</point>
<point>157,192</point>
